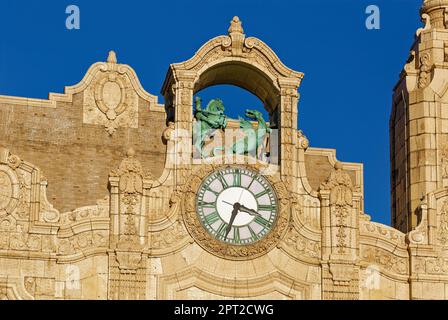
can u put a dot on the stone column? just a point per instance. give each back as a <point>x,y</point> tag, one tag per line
<point>288,113</point>
<point>183,108</point>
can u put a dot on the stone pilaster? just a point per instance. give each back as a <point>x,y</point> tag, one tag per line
<point>288,115</point>
<point>340,238</point>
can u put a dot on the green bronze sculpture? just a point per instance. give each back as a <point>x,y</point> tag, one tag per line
<point>212,118</point>
<point>254,140</point>
<point>209,120</point>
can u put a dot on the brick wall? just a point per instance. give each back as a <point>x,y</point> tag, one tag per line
<point>76,158</point>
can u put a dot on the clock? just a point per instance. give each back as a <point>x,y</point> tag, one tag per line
<point>237,206</point>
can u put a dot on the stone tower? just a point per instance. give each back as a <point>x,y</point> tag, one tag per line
<point>419,119</point>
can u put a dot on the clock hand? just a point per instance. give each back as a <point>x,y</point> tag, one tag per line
<point>249,211</point>
<point>236,208</point>
<point>241,195</point>
<point>231,204</point>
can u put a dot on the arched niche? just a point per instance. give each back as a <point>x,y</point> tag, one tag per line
<point>243,75</point>
<point>245,62</point>
<point>235,60</point>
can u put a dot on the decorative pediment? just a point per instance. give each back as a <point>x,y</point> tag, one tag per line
<point>111,93</point>
<point>240,55</point>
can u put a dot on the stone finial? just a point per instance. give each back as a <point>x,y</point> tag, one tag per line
<point>236,26</point>
<point>112,58</point>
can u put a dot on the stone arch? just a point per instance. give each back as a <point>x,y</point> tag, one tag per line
<point>228,71</point>
<point>245,62</point>
<point>233,59</point>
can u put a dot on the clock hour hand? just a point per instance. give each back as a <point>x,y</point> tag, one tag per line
<point>249,211</point>
<point>236,208</point>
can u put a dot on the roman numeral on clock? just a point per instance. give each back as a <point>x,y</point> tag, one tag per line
<point>262,221</point>
<point>206,204</point>
<point>264,207</point>
<point>212,218</point>
<point>236,235</point>
<point>259,195</point>
<point>253,234</point>
<point>223,181</point>
<point>237,178</point>
<point>221,233</point>
<point>211,190</point>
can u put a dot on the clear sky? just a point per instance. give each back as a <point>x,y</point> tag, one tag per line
<point>349,71</point>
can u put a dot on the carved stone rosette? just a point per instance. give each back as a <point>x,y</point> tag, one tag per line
<point>228,251</point>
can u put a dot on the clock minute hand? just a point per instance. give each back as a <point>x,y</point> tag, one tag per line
<point>236,208</point>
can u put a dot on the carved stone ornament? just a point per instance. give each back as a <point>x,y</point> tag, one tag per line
<point>427,20</point>
<point>342,274</point>
<point>424,77</point>
<point>444,159</point>
<point>302,140</point>
<point>128,262</point>
<point>237,43</point>
<point>386,260</point>
<point>130,177</point>
<point>341,201</point>
<point>224,250</point>
<point>12,185</point>
<point>442,234</point>
<point>110,99</point>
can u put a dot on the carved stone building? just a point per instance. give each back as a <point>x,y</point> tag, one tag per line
<point>122,210</point>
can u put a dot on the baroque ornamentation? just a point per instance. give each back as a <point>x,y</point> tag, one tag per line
<point>111,99</point>
<point>424,77</point>
<point>236,43</point>
<point>128,184</point>
<point>10,190</point>
<point>81,242</point>
<point>383,231</point>
<point>128,262</point>
<point>303,142</point>
<point>427,20</point>
<point>5,190</point>
<point>302,245</point>
<point>436,266</point>
<point>444,159</point>
<point>91,212</point>
<point>387,260</point>
<point>442,233</point>
<point>341,201</point>
<point>169,237</point>
<point>168,134</point>
<point>224,250</point>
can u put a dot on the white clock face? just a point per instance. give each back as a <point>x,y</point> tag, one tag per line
<point>237,206</point>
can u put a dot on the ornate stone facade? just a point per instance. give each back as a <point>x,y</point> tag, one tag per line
<point>143,239</point>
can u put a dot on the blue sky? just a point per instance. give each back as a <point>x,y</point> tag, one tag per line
<point>349,71</point>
